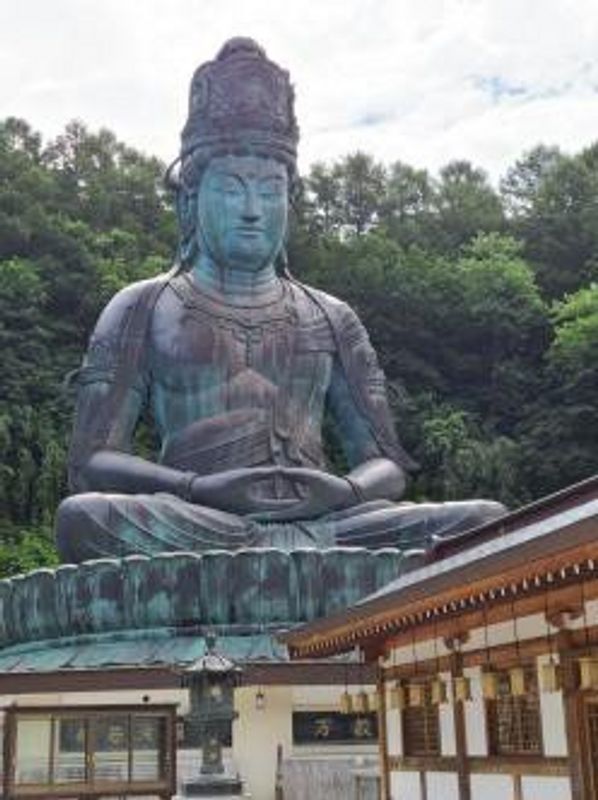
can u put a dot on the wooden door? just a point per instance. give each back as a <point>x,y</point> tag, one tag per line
<point>591,749</point>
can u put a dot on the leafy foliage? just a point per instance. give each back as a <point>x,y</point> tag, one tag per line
<point>79,219</point>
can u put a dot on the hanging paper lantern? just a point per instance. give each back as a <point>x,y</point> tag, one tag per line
<point>462,689</point>
<point>361,703</point>
<point>438,692</point>
<point>398,697</point>
<point>346,703</point>
<point>417,694</point>
<point>551,677</point>
<point>588,672</point>
<point>517,681</point>
<point>490,685</point>
<point>373,701</point>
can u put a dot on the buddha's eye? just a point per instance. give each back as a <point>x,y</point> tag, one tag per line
<point>232,188</point>
<point>228,185</point>
<point>271,188</point>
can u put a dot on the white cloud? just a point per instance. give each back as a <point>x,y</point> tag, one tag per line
<point>424,82</point>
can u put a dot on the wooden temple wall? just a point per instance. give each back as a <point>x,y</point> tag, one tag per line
<point>540,746</point>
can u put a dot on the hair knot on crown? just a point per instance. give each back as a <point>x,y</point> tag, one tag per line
<point>240,44</point>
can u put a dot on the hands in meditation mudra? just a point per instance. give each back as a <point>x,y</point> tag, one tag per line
<point>237,362</point>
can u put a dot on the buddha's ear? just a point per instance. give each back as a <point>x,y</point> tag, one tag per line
<point>185,208</point>
<point>187,217</point>
<point>282,261</point>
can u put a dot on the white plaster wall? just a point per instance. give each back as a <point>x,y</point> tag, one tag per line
<point>394,732</point>
<point>540,788</point>
<point>257,734</point>
<point>501,633</point>
<point>442,785</point>
<point>554,734</point>
<point>403,786</point>
<point>424,651</point>
<point>491,787</point>
<point>308,698</point>
<point>476,737</point>
<point>393,788</point>
<point>446,715</point>
<point>589,618</point>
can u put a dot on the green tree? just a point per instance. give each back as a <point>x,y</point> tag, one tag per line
<point>79,218</point>
<point>560,428</point>
<point>522,182</point>
<point>347,196</point>
<point>466,205</point>
<point>323,185</point>
<point>409,205</point>
<point>560,230</point>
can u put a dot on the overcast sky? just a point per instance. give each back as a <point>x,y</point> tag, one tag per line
<point>421,81</point>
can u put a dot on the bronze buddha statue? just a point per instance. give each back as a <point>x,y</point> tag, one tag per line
<point>237,362</point>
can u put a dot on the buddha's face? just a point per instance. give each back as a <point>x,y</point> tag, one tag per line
<point>242,206</point>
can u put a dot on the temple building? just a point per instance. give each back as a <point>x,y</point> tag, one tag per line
<point>486,658</point>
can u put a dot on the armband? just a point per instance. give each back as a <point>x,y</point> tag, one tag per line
<point>184,486</point>
<point>356,489</point>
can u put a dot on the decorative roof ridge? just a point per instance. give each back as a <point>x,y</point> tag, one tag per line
<point>544,506</point>
<point>540,543</point>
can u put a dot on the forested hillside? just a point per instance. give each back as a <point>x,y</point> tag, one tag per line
<point>482,303</point>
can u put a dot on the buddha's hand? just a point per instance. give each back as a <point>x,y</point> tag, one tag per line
<point>235,490</point>
<point>320,493</point>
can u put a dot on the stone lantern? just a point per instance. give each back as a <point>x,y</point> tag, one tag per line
<point>211,681</point>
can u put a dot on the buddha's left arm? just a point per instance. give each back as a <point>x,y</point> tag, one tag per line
<point>359,406</point>
<point>373,473</point>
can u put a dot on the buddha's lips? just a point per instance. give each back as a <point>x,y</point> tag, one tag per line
<point>249,231</point>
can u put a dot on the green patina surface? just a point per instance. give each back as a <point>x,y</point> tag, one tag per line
<point>156,647</point>
<point>157,610</point>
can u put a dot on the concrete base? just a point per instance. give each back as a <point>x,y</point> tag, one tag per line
<point>208,786</point>
<point>243,796</point>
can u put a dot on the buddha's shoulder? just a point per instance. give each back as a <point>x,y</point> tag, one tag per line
<point>340,311</point>
<point>137,298</point>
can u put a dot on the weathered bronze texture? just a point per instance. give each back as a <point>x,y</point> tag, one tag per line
<point>237,362</point>
<point>242,593</point>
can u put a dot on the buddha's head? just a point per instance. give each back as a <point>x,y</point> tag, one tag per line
<point>238,160</point>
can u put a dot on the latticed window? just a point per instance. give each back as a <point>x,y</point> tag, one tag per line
<point>421,728</point>
<point>112,751</point>
<point>514,726</point>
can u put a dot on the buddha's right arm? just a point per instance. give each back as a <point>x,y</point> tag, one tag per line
<point>100,459</point>
<point>112,389</point>
<point>113,471</point>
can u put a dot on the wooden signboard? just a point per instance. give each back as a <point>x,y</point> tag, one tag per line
<point>333,727</point>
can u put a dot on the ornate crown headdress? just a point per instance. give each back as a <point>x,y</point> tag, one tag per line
<point>241,101</point>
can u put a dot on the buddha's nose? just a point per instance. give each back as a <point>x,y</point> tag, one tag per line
<point>251,209</point>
